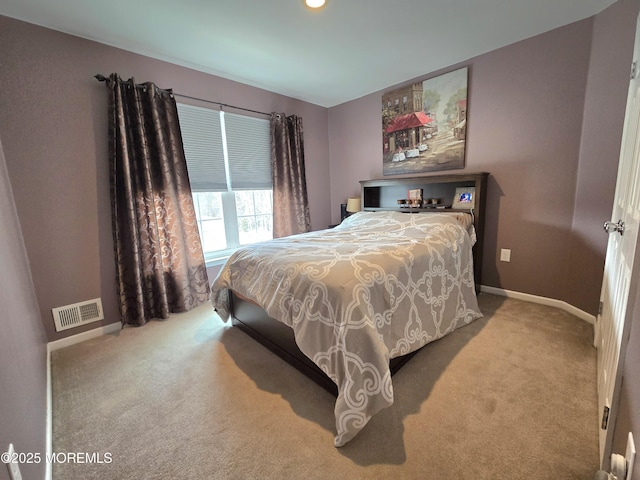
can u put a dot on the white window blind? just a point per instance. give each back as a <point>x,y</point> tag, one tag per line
<point>248,148</point>
<point>203,148</point>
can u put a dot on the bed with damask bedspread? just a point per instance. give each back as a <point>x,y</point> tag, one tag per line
<point>378,287</point>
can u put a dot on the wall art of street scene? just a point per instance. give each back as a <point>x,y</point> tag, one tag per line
<point>424,125</point>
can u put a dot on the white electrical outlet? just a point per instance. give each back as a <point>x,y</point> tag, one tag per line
<point>630,455</point>
<point>505,255</point>
<point>13,467</point>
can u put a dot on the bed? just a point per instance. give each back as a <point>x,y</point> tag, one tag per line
<point>351,304</point>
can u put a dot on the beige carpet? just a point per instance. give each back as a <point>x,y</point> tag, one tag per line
<point>511,396</point>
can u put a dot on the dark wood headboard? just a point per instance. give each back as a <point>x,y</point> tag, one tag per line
<point>384,194</point>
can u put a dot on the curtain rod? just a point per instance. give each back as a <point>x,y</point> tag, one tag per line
<point>102,78</point>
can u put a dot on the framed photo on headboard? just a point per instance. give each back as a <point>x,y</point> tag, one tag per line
<point>415,194</point>
<point>465,197</point>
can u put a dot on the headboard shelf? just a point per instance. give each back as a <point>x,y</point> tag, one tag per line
<point>383,194</point>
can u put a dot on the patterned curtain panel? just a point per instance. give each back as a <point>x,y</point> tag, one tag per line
<point>290,202</point>
<point>159,260</point>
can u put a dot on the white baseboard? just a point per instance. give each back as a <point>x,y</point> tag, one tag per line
<point>56,345</point>
<point>49,419</point>
<point>81,337</point>
<point>551,302</point>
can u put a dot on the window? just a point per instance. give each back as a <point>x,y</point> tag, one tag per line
<point>229,163</point>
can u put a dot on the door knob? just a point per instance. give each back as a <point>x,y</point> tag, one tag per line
<point>611,227</point>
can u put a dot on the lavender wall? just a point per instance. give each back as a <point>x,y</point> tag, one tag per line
<point>22,343</point>
<point>607,84</point>
<point>53,119</point>
<point>524,125</point>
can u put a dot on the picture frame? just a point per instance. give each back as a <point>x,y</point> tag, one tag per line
<point>424,125</point>
<point>415,194</point>
<point>464,198</point>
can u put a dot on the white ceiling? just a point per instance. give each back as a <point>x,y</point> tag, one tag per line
<point>349,49</point>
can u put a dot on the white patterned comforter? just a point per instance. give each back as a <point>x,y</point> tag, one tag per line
<point>378,286</point>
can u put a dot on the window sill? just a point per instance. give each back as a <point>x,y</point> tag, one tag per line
<point>216,261</point>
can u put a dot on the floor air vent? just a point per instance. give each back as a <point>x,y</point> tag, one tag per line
<point>77,314</point>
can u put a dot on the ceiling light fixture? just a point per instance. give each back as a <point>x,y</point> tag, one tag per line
<point>315,3</point>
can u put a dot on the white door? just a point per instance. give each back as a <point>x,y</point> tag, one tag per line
<point>623,235</point>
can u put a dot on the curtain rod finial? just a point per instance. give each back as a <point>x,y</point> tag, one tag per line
<point>100,77</point>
